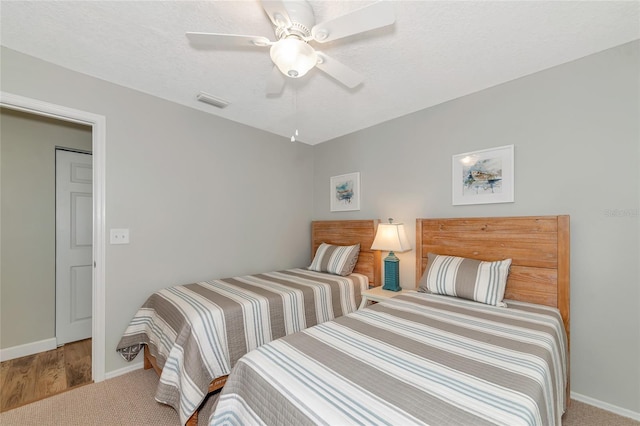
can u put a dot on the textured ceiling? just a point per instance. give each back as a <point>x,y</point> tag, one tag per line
<point>436,51</point>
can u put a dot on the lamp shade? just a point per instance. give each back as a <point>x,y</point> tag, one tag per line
<point>293,57</point>
<point>391,237</point>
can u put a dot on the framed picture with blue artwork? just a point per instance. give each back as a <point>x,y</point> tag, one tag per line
<point>345,192</point>
<point>483,177</point>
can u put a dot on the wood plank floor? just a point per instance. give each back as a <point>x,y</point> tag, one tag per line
<point>30,378</point>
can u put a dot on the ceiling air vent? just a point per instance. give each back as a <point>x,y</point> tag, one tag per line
<point>212,100</point>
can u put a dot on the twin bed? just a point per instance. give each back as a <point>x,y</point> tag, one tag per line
<point>433,356</point>
<point>193,334</point>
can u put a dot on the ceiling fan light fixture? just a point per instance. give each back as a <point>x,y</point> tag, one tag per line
<point>293,57</point>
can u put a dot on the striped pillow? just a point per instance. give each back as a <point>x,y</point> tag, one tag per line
<point>338,260</point>
<point>471,279</point>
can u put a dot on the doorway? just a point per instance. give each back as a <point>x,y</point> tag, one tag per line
<point>98,128</point>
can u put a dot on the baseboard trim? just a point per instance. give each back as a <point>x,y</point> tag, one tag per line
<point>27,349</point>
<point>128,369</point>
<point>606,406</point>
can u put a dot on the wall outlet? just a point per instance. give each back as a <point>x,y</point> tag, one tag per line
<point>119,236</point>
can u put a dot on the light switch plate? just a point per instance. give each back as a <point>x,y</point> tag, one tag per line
<point>119,236</point>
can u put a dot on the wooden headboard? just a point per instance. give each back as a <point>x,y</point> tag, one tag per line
<point>350,232</point>
<point>537,245</point>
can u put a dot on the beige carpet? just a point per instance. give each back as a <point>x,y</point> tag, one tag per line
<point>128,400</point>
<point>124,400</point>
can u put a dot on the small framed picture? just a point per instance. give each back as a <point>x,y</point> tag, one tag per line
<point>483,177</point>
<point>345,192</point>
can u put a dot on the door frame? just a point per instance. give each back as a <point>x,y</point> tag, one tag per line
<point>98,138</point>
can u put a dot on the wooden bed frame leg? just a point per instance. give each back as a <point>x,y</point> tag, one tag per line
<point>147,363</point>
<point>193,420</point>
<point>150,361</point>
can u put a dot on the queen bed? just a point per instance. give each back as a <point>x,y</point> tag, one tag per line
<point>489,350</point>
<point>193,334</point>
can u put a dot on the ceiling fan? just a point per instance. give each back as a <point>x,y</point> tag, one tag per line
<point>295,27</point>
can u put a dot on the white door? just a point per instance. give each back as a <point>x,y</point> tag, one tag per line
<point>74,226</point>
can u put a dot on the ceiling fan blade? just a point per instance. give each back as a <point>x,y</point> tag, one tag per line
<point>275,82</point>
<point>377,15</point>
<point>227,40</point>
<point>277,13</point>
<point>338,70</point>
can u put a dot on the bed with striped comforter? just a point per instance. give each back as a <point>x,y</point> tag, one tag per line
<point>197,332</point>
<point>415,359</point>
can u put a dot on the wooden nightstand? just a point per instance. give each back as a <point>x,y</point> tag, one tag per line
<point>377,294</point>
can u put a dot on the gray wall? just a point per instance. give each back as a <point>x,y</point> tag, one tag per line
<point>577,151</point>
<point>203,197</point>
<point>27,273</point>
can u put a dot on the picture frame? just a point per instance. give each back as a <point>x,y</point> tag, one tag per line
<point>344,191</point>
<point>483,177</point>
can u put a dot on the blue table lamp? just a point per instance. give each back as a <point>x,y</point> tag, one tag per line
<point>391,237</point>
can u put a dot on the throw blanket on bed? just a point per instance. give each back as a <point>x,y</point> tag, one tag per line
<point>197,332</point>
<point>414,359</point>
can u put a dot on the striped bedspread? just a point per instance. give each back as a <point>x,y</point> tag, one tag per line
<point>197,332</point>
<point>414,359</point>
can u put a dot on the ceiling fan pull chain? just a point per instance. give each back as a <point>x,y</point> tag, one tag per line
<point>295,111</point>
